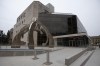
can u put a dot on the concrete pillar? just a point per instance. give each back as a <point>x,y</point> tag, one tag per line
<point>55,42</point>
<point>35,55</point>
<point>35,38</point>
<point>48,58</point>
<point>27,41</point>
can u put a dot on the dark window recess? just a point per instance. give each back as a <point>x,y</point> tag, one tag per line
<point>22,22</point>
<point>19,19</point>
<point>72,25</point>
<point>41,38</point>
<point>24,14</point>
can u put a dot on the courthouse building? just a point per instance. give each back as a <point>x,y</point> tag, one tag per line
<point>39,25</point>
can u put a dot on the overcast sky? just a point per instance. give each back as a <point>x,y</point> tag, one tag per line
<point>88,12</point>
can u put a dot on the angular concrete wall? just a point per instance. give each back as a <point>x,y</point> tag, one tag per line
<point>73,58</point>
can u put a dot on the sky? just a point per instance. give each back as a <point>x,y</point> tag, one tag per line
<point>88,12</point>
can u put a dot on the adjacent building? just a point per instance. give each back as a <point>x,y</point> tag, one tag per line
<point>39,25</point>
<point>95,40</point>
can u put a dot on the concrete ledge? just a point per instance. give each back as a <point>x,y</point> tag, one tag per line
<point>73,58</point>
<point>19,52</point>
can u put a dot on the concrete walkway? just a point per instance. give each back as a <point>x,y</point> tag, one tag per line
<point>57,58</point>
<point>95,58</point>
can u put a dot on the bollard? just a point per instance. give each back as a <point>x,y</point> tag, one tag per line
<point>35,55</point>
<point>48,59</point>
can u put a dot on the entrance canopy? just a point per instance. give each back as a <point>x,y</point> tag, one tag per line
<point>71,35</point>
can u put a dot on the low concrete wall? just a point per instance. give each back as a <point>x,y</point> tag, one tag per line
<point>19,52</point>
<point>73,58</point>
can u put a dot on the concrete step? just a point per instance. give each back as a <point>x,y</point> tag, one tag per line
<point>83,59</point>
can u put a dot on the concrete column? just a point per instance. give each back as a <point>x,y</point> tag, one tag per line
<point>48,58</point>
<point>27,41</point>
<point>35,55</point>
<point>35,38</point>
<point>55,42</point>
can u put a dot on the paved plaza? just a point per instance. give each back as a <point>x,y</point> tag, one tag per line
<point>95,58</point>
<point>57,58</point>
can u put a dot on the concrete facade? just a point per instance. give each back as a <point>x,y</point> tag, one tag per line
<point>29,15</point>
<point>37,26</point>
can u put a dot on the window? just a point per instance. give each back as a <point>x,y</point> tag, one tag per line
<point>22,22</point>
<point>24,14</point>
<point>19,19</point>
